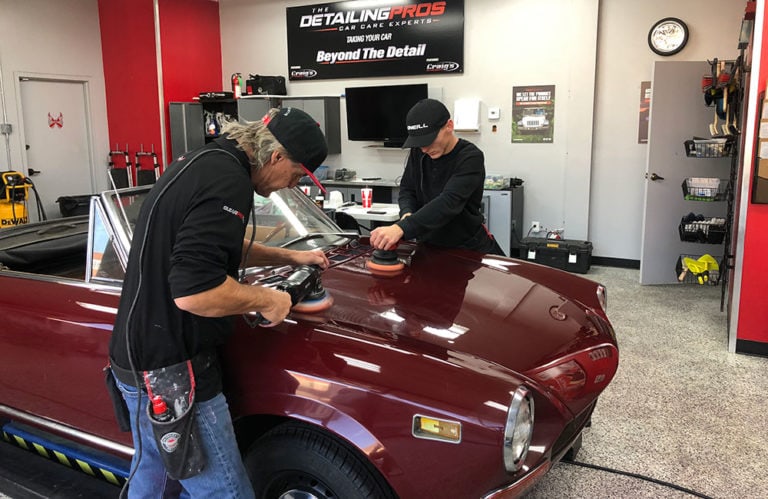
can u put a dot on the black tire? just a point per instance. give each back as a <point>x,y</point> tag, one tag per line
<point>295,457</point>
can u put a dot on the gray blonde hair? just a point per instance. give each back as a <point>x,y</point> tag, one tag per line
<point>255,138</point>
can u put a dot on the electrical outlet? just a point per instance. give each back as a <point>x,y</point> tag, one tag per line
<point>535,226</point>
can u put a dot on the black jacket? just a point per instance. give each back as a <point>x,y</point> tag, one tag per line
<point>445,197</point>
<point>189,235</point>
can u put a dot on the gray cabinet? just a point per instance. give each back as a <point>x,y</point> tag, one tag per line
<point>503,211</point>
<point>327,112</point>
<point>253,109</point>
<point>187,128</point>
<point>187,122</point>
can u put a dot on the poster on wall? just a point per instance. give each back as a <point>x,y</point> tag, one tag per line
<point>645,112</point>
<point>533,114</point>
<point>360,39</point>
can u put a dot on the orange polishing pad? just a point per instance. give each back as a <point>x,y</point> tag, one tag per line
<point>384,268</point>
<point>313,306</point>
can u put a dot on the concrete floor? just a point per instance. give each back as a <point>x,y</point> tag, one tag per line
<point>681,409</point>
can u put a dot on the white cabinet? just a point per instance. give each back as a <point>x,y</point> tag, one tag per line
<point>503,211</point>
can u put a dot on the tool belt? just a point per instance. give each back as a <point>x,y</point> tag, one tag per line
<point>200,363</point>
<point>171,392</point>
<point>176,434</point>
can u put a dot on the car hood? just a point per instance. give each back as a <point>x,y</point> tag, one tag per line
<point>458,301</point>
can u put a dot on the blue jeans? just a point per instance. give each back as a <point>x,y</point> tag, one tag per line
<point>224,475</point>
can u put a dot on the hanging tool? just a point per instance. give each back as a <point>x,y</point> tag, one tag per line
<point>156,163</point>
<point>145,176</point>
<point>120,177</point>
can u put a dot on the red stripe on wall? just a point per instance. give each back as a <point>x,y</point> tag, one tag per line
<point>754,283</point>
<point>191,50</point>
<point>130,73</point>
<point>190,46</point>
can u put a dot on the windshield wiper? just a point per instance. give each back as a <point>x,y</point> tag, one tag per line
<point>317,235</point>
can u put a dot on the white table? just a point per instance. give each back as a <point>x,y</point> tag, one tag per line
<point>378,212</point>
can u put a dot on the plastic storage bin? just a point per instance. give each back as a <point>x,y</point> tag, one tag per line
<point>565,254</point>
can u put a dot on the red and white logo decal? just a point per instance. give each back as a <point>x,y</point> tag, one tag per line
<point>52,122</point>
<point>170,441</point>
<point>234,212</point>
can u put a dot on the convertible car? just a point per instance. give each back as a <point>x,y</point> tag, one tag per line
<point>448,374</point>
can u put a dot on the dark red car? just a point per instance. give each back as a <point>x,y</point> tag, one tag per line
<point>461,375</point>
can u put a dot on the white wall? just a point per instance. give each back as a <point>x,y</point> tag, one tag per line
<point>589,181</point>
<point>624,60</point>
<point>51,38</point>
<point>505,44</point>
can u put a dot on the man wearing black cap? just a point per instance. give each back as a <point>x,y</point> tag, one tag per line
<point>181,286</point>
<point>441,190</point>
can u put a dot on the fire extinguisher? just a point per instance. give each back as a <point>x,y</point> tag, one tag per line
<point>237,81</point>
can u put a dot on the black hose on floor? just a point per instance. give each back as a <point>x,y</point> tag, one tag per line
<point>641,477</point>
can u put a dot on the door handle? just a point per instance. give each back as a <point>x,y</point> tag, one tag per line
<point>654,176</point>
<point>32,171</point>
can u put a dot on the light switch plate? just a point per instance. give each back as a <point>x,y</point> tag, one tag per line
<point>494,113</point>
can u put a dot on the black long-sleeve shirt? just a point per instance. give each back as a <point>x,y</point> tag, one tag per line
<point>444,196</point>
<point>194,219</point>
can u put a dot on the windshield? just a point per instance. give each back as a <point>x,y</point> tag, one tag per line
<point>287,218</point>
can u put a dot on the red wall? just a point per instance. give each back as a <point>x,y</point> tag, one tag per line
<point>191,50</point>
<point>753,325</point>
<point>130,74</point>
<point>191,62</point>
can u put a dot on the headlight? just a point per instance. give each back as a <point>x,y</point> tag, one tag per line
<point>519,429</point>
<point>602,297</point>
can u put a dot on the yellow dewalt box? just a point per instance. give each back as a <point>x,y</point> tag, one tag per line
<point>14,192</point>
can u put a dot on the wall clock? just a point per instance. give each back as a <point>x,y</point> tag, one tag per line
<point>668,36</point>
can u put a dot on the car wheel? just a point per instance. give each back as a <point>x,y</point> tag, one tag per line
<point>298,461</point>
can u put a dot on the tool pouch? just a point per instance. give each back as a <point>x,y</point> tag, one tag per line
<point>178,439</point>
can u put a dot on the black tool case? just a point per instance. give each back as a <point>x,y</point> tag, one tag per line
<point>564,254</point>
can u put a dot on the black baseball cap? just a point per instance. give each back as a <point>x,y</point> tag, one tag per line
<point>424,121</point>
<point>300,135</point>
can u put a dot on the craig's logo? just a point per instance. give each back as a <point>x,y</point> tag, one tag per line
<point>170,441</point>
<point>442,67</point>
<point>234,212</point>
<point>303,73</point>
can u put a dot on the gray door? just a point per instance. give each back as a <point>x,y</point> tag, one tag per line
<point>678,113</point>
<point>56,134</point>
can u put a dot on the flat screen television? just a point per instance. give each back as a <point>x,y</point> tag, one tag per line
<point>378,113</point>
